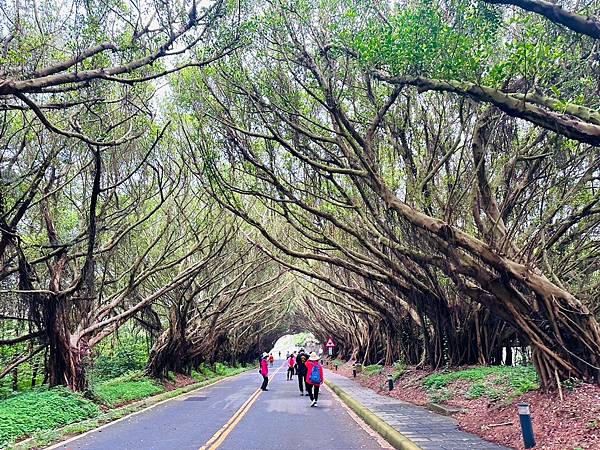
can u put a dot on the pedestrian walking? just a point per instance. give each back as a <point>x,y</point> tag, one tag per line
<point>290,371</point>
<point>301,370</point>
<point>271,359</point>
<point>279,354</point>
<point>314,377</point>
<point>264,371</point>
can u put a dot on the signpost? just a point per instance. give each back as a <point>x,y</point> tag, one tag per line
<point>330,344</point>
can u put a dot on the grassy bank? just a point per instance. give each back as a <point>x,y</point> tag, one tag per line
<point>48,415</point>
<point>42,409</point>
<point>495,383</point>
<point>485,400</point>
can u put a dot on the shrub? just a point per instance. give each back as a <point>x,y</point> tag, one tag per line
<point>399,369</point>
<point>42,409</point>
<point>571,383</point>
<point>123,359</point>
<point>132,386</point>
<point>221,369</point>
<point>171,376</point>
<point>197,376</point>
<point>205,370</point>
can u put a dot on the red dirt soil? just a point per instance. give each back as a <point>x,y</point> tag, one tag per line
<point>572,424</point>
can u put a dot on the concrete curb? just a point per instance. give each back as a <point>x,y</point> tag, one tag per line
<point>390,434</point>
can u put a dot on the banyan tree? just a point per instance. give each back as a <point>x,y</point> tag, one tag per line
<point>419,179</point>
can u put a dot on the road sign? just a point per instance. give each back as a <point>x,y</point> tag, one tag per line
<point>330,343</point>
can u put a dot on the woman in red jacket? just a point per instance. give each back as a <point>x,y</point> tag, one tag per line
<point>264,371</point>
<point>314,377</point>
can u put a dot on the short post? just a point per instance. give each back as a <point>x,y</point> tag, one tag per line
<point>390,381</point>
<point>526,425</point>
<point>354,370</point>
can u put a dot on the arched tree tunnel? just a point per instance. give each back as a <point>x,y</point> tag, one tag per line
<point>289,302</point>
<point>433,200</point>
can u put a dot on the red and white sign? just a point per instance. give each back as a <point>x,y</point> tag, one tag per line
<point>330,343</point>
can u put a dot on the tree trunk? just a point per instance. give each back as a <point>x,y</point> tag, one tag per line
<point>34,371</point>
<point>508,360</point>
<point>564,335</point>
<point>68,354</point>
<point>171,350</point>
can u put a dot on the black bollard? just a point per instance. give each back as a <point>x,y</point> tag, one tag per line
<point>354,370</point>
<point>526,425</point>
<point>390,381</point>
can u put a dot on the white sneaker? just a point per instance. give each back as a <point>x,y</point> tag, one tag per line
<point>313,403</point>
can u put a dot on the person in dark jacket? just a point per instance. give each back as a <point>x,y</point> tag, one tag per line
<point>301,370</point>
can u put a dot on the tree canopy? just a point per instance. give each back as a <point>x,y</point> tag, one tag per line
<point>419,179</point>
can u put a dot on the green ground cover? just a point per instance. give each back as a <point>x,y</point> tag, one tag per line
<point>492,382</point>
<point>125,388</point>
<point>42,411</point>
<point>373,369</point>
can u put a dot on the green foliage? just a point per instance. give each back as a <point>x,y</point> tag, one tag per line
<point>422,40</point>
<point>492,382</point>
<point>46,437</point>
<point>440,396</point>
<point>399,369</point>
<point>221,369</point>
<point>571,383</point>
<point>301,339</point>
<point>204,372</point>
<point>373,369</point>
<point>129,355</point>
<point>132,386</point>
<point>24,371</point>
<point>483,389</point>
<point>42,409</point>
<point>5,388</point>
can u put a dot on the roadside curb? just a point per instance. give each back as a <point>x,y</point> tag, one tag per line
<point>390,434</point>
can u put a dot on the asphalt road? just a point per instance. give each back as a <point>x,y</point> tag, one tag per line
<point>233,414</point>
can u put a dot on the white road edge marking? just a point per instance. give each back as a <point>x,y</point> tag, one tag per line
<point>380,440</point>
<point>128,416</point>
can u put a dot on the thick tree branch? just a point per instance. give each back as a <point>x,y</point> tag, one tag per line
<point>589,26</point>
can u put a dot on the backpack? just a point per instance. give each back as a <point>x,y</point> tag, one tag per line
<point>315,375</point>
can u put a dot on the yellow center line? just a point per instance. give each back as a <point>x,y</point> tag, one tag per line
<point>219,437</point>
